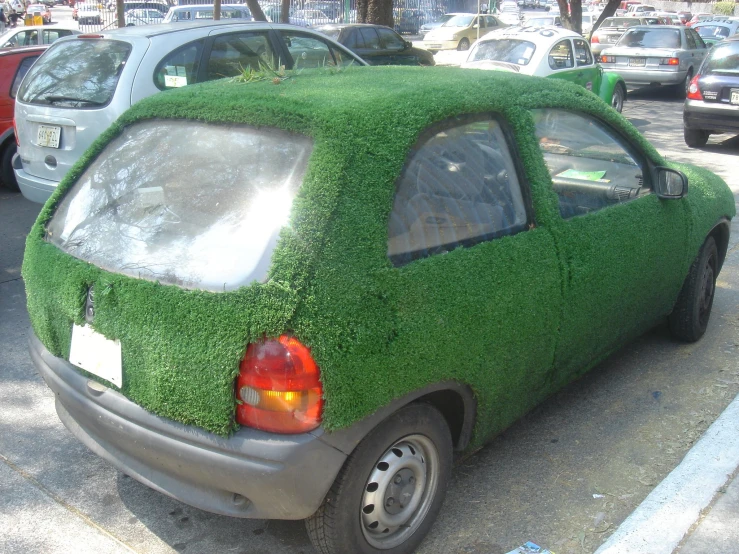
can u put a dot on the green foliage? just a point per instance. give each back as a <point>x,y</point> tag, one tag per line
<point>514,317</point>
<point>724,8</point>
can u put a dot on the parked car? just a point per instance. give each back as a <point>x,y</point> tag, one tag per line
<point>80,86</point>
<point>547,52</point>
<point>698,18</point>
<point>272,12</point>
<point>613,27</point>
<point>331,8</point>
<point>587,23</point>
<point>544,21</point>
<point>376,44</point>
<point>409,21</point>
<point>143,17</point>
<point>431,25</point>
<point>14,64</point>
<point>460,31</point>
<point>639,10</point>
<point>715,31</point>
<point>314,17</point>
<point>443,264</point>
<point>34,35</point>
<point>204,12</point>
<point>657,55</point>
<point>712,103</point>
<point>88,14</point>
<point>42,10</point>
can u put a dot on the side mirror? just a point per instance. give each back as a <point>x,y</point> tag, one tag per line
<point>670,183</point>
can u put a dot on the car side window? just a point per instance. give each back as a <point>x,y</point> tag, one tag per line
<point>23,68</point>
<point>311,52</point>
<point>560,56</point>
<point>459,187</point>
<point>390,40</point>
<point>180,67</point>
<point>371,39</point>
<point>697,38</point>
<point>184,15</point>
<point>582,53</point>
<point>490,21</point>
<point>690,40</point>
<point>591,166</point>
<point>47,37</point>
<point>354,40</point>
<point>238,52</point>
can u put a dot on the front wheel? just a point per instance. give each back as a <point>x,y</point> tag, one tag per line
<point>464,44</point>
<point>617,100</point>
<point>689,318</point>
<point>390,490</point>
<point>695,138</point>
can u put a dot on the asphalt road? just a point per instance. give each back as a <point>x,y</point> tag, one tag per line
<point>565,476</point>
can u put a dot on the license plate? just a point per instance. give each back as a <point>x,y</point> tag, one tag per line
<point>637,62</point>
<point>734,96</point>
<point>95,354</point>
<point>48,136</point>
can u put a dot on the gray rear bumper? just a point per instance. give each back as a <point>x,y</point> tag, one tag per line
<point>252,474</point>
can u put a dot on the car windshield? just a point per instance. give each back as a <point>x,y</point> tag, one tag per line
<point>513,51</point>
<point>443,19</point>
<point>650,38</point>
<point>77,73</point>
<point>331,33</point>
<point>459,21</point>
<point>540,21</point>
<point>192,204</point>
<point>712,31</point>
<point>723,59</point>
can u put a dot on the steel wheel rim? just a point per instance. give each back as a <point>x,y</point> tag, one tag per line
<point>399,492</point>
<point>617,99</point>
<point>708,286</point>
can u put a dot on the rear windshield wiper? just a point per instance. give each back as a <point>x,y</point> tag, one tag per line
<point>53,99</point>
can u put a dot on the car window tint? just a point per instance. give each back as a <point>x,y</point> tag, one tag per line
<point>179,68</point>
<point>390,40</point>
<point>354,40</point>
<point>47,37</point>
<point>651,38</point>
<point>371,40</point>
<point>697,38</point>
<point>723,59</point>
<point>560,56</point>
<point>181,15</point>
<point>590,165</point>
<point>490,21</point>
<point>235,53</point>
<point>459,187</point>
<point>582,53</point>
<point>307,51</point>
<point>691,41</point>
<point>23,68</point>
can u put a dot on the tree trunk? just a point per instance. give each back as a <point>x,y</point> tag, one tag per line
<point>608,11</point>
<point>120,13</point>
<point>285,11</point>
<point>256,11</point>
<point>380,12</point>
<point>216,10</point>
<point>576,15</point>
<point>362,11</point>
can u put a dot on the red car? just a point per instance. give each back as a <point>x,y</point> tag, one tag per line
<point>14,64</point>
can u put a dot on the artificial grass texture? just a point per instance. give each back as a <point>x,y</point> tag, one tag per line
<point>515,318</point>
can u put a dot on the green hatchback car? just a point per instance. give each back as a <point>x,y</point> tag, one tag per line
<point>270,305</point>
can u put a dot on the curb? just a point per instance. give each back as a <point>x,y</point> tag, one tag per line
<point>661,521</point>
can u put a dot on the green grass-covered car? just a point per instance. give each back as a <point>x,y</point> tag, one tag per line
<point>294,297</point>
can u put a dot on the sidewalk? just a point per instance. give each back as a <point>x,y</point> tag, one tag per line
<point>695,509</point>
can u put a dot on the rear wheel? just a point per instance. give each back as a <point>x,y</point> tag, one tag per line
<point>617,100</point>
<point>7,175</point>
<point>464,44</point>
<point>390,490</point>
<point>689,318</point>
<point>682,89</point>
<point>695,138</point>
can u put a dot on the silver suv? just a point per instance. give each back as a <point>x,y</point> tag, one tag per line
<point>82,84</point>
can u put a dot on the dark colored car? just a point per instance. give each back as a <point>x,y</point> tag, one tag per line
<point>14,64</point>
<point>377,45</point>
<point>712,103</point>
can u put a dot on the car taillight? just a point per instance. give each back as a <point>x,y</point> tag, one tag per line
<point>595,40</point>
<point>15,132</point>
<point>608,59</point>
<point>694,91</point>
<point>669,61</point>
<point>279,387</point>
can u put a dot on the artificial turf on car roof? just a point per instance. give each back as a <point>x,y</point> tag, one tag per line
<point>511,317</point>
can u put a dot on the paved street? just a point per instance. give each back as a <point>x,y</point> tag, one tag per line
<point>564,477</point>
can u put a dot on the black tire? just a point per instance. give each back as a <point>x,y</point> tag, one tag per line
<point>689,318</point>
<point>681,90</point>
<point>464,44</point>
<point>7,175</point>
<point>618,98</point>
<point>695,138</point>
<point>343,525</point>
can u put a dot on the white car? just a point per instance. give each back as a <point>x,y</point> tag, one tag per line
<point>143,17</point>
<point>34,35</point>
<point>89,14</point>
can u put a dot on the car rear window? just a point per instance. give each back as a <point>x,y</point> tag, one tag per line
<point>651,38</point>
<point>724,59</point>
<point>712,31</point>
<point>513,51</point>
<point>80,73</point>
<point>180,202</point>
<point>620,22</point>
